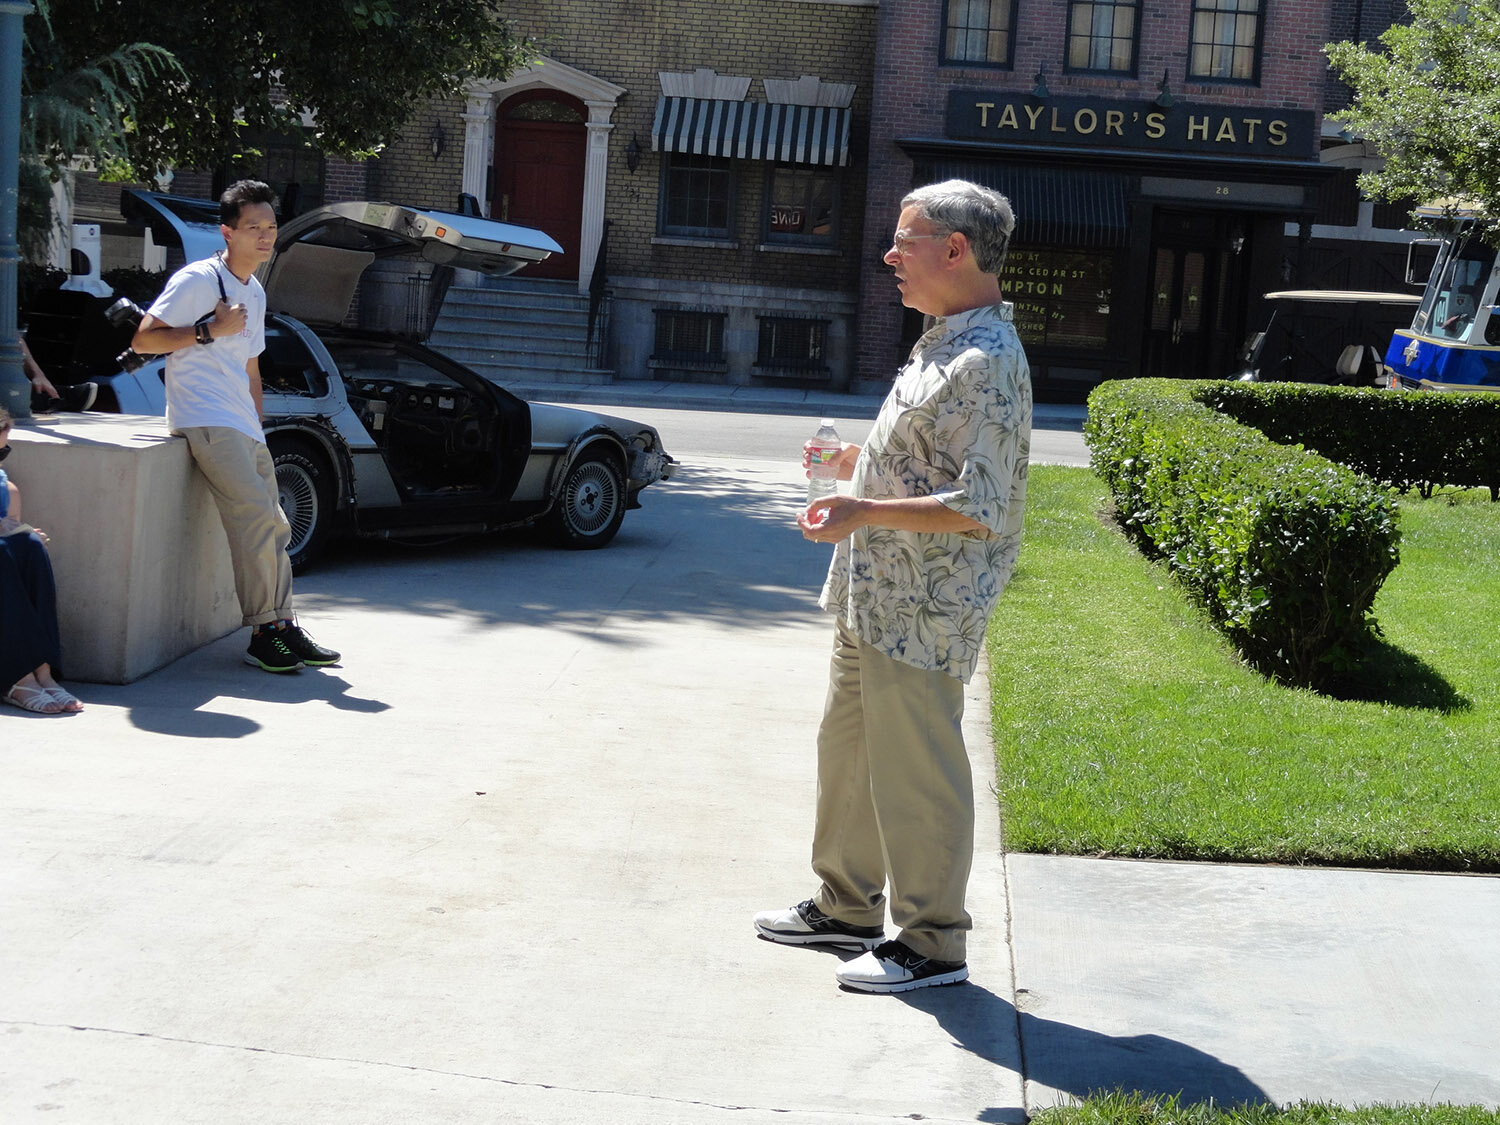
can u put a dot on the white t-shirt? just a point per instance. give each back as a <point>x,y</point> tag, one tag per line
<point>208,384</point>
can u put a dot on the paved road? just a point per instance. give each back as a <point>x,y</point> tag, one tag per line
<point>777,437</point>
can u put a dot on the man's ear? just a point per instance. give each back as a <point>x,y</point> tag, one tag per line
<point>958,248</point>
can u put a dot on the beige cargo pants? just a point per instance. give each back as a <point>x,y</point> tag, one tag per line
<point>895,799</point>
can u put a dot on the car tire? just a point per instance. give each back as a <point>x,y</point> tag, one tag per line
<point>591,503</point>
<point>304,482</point>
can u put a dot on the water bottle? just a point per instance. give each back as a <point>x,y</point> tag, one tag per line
<point>822,476</point>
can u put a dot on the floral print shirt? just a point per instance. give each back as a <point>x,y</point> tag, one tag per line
<point>957,426</point>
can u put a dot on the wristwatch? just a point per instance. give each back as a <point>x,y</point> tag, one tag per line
<point>200,330</point>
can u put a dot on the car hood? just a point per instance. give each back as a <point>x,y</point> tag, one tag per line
<point>399,259</point>
<point>561,424</point>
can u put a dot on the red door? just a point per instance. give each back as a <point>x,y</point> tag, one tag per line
<point>540,139</point>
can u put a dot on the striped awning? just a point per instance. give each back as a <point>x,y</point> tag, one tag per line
<point>794,134</point>
<point>1054,206</point>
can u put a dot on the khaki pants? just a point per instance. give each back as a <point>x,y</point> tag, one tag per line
<point>242,478</point>
<point>895,799</point>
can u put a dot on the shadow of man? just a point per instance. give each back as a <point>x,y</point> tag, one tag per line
<point>1075,1060</point>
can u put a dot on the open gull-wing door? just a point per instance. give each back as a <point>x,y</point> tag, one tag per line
<point>175,220</point>
<point>398,259</point>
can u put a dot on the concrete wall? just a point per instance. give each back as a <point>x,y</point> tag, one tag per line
<point>140,557</point>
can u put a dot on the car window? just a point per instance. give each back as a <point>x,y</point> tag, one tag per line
<point>372,362</point>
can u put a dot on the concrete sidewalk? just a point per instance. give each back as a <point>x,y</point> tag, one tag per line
<point>748,400</point>
<point>500,867</point>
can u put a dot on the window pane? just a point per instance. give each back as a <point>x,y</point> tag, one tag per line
<point>978,31</point>
<point>791,342</point>
<point>1224,37</point>
<point>1101,35</point>
<point>802,205</point>
<point>697,195</point>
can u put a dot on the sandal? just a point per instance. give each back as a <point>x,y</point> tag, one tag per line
<point>69,701</point>
<point>37,700</point>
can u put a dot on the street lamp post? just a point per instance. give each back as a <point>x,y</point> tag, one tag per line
<point>15,389</point>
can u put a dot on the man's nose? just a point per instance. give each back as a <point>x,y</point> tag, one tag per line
<point>890,257</point>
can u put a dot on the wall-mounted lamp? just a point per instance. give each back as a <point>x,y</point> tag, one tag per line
<point>435,141</point>
<point>633,153</point>
<point>1040,90</point>
<point>1164,95</point>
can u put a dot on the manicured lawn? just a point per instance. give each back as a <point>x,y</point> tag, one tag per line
<point>1124,725</point>
<point>1136,1109</point>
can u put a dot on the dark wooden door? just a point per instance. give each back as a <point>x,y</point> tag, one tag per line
<point>1193,303</point>
<point>540,143</point>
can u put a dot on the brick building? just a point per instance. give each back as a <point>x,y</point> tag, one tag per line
<point>707,175</point>
<point>1156,152</point>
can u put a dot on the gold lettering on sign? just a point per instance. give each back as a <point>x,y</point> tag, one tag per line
<point>1197,128</point>
<point>1250,124</point>
<point>1114,122</point>
<point>1156,126</point>
<point>1008,118</point>
<point>1085,121</point>
<point>1033,115</point>
<point>1226,131</point>
<point>984,113</point>
<point>1056,128</point>
<point>1276,132</point>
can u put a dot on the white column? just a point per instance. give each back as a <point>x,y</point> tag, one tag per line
<point>595,177</point>
<point>479,148</point>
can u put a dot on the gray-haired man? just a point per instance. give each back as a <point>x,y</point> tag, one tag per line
<point>925,542</point>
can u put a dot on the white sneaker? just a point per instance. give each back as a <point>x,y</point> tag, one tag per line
<point>805,924</point>
<point>893,967</point>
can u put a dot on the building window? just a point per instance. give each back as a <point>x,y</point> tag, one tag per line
<point>290,163</point>
<point>697,195</point>
<point>689,336</point>
<point>1061,298</point>
<point>1101,35</point>
<point>978,31</point>
<point>801,205</point>
<point>792,344</point>
<point>1225,40</point>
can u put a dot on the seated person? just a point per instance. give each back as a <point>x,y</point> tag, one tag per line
<point>29,645</point>
<point>1461,309</point>
<point>46,398</point>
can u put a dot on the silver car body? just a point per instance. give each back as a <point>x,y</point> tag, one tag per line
<point>351,411</point>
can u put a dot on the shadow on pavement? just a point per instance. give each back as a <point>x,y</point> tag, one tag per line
<point>1076,1060</point>
<point>711,543</point>
<point>183,707</point>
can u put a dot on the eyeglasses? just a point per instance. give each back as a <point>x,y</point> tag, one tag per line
<point>902,240</point>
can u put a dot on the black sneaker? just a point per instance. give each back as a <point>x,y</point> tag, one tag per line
<point>304,648</point>
<point>268,651</point>
<point>805,924</point>
<point>894,967</point>
<point>80,396</point>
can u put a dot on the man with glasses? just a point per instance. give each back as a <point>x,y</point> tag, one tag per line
<point>925,541</point>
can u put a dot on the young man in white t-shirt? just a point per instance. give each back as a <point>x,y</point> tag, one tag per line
<point>210,322</point>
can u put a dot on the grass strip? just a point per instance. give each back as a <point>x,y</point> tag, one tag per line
<point>1139,1109</point>
<point>1124,725</point>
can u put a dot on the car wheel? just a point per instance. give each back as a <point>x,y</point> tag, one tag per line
<point>591,503</point>
<point>304,483</point>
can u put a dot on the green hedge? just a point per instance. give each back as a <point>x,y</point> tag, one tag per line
<point>1285,548</point>
<point>1407,440</point>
